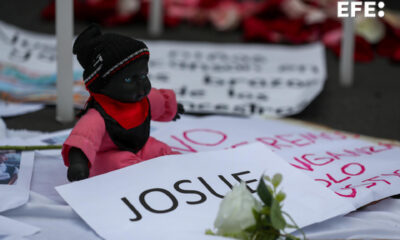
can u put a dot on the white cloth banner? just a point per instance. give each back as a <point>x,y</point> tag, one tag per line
<point>57,220</point>
<point>180,194</point>
<point>244,79</point>
<point>10,227</point>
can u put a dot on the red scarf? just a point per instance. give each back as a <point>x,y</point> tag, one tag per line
<point>128,115</point>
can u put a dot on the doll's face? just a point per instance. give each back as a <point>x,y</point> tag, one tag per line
<point>130,84</point>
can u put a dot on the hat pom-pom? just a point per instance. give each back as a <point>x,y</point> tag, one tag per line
<point>85,43</point>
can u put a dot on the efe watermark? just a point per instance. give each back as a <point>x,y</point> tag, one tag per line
<point>370,9</point>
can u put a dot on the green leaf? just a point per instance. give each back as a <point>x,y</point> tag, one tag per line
<point>280,196</point>
<point>269,237</point>
<point>267,178</point>
<point>257,217</point>
<point>251,228</point>
<point>265,210</point>
<point>277,219</point>
<point>263,192</point>
<point>291,237</point>
<point>270,234</point>
<point>266,221</point>
<point>276,180</point>
<point>209,232</point>
<point>239,235</point>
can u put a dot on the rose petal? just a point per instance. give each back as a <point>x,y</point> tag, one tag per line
<point>235,211</point>
<point>371,29</point>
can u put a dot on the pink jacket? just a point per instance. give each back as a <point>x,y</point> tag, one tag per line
<point>90,135</point>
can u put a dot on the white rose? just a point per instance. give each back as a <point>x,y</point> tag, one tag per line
<point>235,211</point>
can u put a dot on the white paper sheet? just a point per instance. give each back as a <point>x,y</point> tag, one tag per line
<point>54,138</point>
<point>243,79</point>
<point>15,176</point>
<point>8,109</point>
<point>139,200</point>
<point>354,169</point>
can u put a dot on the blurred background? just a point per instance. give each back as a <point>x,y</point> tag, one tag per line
<point>370,107</point>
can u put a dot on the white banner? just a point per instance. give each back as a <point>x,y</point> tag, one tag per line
<point>178,196</point>
<point>243,79</point>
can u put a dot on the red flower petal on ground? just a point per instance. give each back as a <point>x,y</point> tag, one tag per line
<point>390,44</point>
<point>259,30</point>
<point>279,30</point>
<point>396,55</point>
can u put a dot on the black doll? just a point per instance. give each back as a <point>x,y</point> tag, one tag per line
<point>114,130</point>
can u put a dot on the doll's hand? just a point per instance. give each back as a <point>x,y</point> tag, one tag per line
<point>180,111</point>
<point>78,165</point>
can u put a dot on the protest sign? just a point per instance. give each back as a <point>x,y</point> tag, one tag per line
<point>239,79</point>
<point>243,79</point>
<point>177,196</point>
<point>354,169</point>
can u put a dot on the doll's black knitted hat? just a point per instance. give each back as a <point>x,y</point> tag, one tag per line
<point>101,55</point>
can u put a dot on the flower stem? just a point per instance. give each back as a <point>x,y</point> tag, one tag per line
<point>295,224</point>
<point>30,148</point>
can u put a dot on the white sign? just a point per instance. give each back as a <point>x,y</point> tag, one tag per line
<point>177,196</point>
<point>243,79</point>
<point>239,79</point>
<point>354,169</point>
